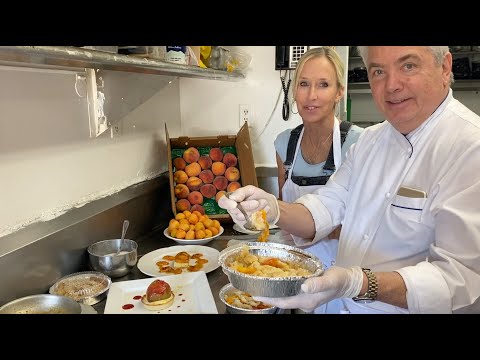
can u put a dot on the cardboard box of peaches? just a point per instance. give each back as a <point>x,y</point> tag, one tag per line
<point>202,169</point>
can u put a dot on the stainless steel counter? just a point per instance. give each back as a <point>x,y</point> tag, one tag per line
<point>156,240</point>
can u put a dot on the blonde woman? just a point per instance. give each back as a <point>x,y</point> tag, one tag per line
<point>308,155</point>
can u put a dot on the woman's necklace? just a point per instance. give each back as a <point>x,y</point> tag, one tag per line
<point>310,158</point>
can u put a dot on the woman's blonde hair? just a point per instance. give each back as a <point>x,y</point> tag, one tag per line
<point>323,51</point>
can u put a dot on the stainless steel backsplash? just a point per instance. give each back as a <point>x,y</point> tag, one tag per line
<point>34,258</point>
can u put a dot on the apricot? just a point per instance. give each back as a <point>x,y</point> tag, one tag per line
<point>191,155</point>
<point>219,195</point>
<point>198,209</point>
<point>216,224</point>
<point>208,190</point>
<point>190,235</point>
<point>199,226</point>
<point>199,234</point>
<point>193,169</point>
<point>195,198</point>
<point>194,183</point>
<point>208,233</point>
<point>180,177</point>
<point>182,205</point>
<point>230,160</point>
<point>206,176</point>
<point>220,182</point>
<point>179,163</point>
<point>233,186</point>
<point>208,223</point>
<point>187,213</point>
<point>193,219</point>
<point>216,154</point>
<point>173,225</point>
<point>205,162</point>
<point>181,191</point>
<point>179,216</point>
<point>214,230</point>
<point>218,168</point>
<point>232,174</point>
<point>180,234</point>
<point>198,213</point>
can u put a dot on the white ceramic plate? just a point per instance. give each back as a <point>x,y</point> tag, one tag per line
<point>148,262</point>
<point>192,295</point>
<point>194,241</point>
<point>241,229</point>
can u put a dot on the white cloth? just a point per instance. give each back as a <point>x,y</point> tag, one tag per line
<point>326,249</point>
<point>433,242</point>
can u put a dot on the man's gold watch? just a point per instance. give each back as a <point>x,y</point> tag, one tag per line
<point>372,289</point>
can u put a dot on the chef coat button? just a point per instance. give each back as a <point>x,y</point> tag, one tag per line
<point>388,195</point>
<point>365,237</point>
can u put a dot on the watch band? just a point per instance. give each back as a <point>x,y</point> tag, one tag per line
<point>372,289</point>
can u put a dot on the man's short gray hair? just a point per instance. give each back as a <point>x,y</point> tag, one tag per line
<point>438,53</point>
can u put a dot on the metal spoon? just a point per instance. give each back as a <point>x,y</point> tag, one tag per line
<point>248,225</point>
<point>124,231</point>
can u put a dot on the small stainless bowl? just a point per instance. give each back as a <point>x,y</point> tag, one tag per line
<point>42,304</point>
<point>270,286</point>
<point>232,309</point>
<point>103,257</point>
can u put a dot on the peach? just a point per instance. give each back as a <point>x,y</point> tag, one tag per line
<point>194,183</point>
<point>198,208</point>
<point>195,198</point>
<point>191,155</point>
<point>181,191</point>
<point>233,186</point>
<point>230,160</point>
<point>206,176</point>
<point>208,190</point>
<point>232,174</point>
<point>218,168</point>
<point>180,177</point>
<point>182,205</point>
<point>216,154</point>
<point>219,195</point>
<point>179,163</point>
<point>205,162</point>
<point>193,169</point>
<point>220,182</point>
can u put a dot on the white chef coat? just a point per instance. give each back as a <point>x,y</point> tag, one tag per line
<point>432,242</point>
<point>326,249</point>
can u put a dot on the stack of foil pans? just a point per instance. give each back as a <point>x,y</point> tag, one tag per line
<point>87,287</point>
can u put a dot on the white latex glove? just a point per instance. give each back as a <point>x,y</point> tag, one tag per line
<point>252,199</point>
<point>336,282</point>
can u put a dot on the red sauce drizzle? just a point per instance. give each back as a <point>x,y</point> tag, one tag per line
<point>137,297</point>
<point>127,306</point>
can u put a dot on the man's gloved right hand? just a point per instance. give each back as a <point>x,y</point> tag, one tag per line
<point>252,199</point>
<point>336,282</point>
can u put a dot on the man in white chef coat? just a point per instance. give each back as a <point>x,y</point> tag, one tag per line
<point>407,197</point>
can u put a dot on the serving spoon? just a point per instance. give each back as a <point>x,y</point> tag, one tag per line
<point>126,223</point>
<point>248,225</point>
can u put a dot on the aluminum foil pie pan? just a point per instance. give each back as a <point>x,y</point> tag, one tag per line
<point>270,286</point>
<point>87,287</point>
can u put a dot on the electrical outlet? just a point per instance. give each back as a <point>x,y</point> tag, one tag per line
<point>245,114</point>
<point>115,130</point>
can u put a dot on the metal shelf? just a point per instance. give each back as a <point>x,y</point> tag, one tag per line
<point>459,85</point>
<point>63,57</point>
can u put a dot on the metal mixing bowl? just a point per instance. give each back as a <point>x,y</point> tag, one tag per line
<point>232,309</point>
<point>104,258</point>
<point>42,304</point>
<point>270,286</point>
